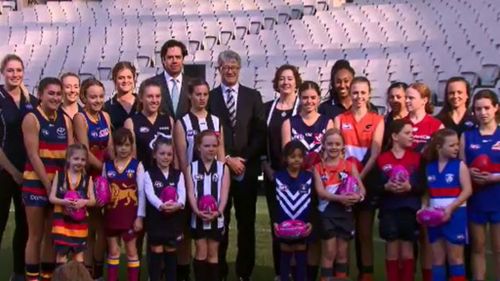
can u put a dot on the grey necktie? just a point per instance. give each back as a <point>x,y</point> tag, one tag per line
<point>231,106</point>
<point>175,94</point>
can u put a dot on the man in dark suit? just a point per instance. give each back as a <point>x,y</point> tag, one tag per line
<point>241,114</point>
<point>173,81</point>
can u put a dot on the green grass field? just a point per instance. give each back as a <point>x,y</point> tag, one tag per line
<point>264,265</point>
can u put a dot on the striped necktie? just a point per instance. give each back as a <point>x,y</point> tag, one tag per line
<point>231,106</point>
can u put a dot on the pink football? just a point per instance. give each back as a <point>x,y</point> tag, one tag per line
<point>102,191</point>
<point>207,203</point>
<point>430,217</point>
<point>291,229</point>
<point>349,185</point>
<point>168,194</point>
<point>75,214</point>
<point>399,173</point>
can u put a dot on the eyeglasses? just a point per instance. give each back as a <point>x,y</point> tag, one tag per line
<point>228,68</point>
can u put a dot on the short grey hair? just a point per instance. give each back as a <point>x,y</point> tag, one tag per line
<point>228,55</point>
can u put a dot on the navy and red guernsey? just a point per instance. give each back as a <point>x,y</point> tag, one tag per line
<point>411,199</point>
<point>423,130</point>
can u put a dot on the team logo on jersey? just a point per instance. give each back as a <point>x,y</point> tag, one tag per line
<point>474,146</point>
<point>144,130</point>
<point>496,146</point>
<point>368,127</point>
<point>282,187</point>
<point>198,177</point>
<point>449,178</point>
<point>45,132</point>
<point>130,173</point>
<point>303,188</point>
<point>111,174</point>
<point>215,178</point>
<point>346,126</point>
<point>431,178</point>
<point>191,133</point>
<point>61,132</point>
<point>158,184</point>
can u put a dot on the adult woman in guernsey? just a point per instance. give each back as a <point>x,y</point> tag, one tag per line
<point>363,132</point>
<point>15,103</point>
<point>71,94</point>
<point>93,129</point>
<point>124,103</point>
<point>309,127</point>
<point>285,82</point>
<point>47,133</point>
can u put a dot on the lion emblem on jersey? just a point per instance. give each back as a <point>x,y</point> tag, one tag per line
<point>126,193</point>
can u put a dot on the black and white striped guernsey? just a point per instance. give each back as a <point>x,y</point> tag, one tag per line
<point>193,126</point>
<point>207,183</point>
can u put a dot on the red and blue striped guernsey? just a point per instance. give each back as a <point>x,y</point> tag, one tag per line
<point>444,186</point>
<point>52,145</point>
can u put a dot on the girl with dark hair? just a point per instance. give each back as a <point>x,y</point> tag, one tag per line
<point>47,133</point>
<point>124,103</point>
<point>198,119</point>
<point>293,186</point>
<point>124,214</point>
<point>93,129</point>
<point>165,219</point>
<point>455,113</point>
<point>449,186</point>
<point>483,208</point>
<point>71,94</point>
<point>396,100</point>
<point>149,123</point>
<point>15,103</point>
<point>286,81</point>
<point>308,127</point>
<point>400,200</point>
<point>363,132</point>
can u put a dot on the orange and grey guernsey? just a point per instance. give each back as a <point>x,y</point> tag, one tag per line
<point>66,231</point>
<point>358,135</point>
<point>52,145</point>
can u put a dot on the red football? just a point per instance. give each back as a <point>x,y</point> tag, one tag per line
<point>483,163</point>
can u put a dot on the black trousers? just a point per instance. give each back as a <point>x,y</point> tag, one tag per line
<point>11,191</point>
<point>243,196</point>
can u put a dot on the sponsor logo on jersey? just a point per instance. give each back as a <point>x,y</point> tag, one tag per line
<point>346,126</point>
<point>431,178</point>
<point>45,132</point>
<point>215,178</point>
<point>474,146</point>
<point>144,130</point>
<point>111,174</point>
<point>163,128</point>
<point>104,133</point>
<point>191,133</point>
<point>282,187</point>
<point>158,184</point>
<point>197,177</point>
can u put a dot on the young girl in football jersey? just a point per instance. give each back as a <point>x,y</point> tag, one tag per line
<point>449,186</point>
<point>337,220</point>
<point>93,129</point>
<point>123,215</point>
<point>164,219</point>
<point>293,186</point>
<point>400,200</point>
<point>483,207</point>
<point>207,177</point>
<point>69,234</point>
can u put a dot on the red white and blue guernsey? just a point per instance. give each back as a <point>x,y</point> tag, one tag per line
<point>294,196</point>
<point>483,205</point>
<point>423,130</point>
<point>444,188</point>
<point>309,136</point>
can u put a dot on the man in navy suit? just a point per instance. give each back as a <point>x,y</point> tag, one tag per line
<point>172,80</point>
<point>241,114</point>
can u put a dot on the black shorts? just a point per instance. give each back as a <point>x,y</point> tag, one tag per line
<point>398,224</point>
<point>215,234</point>
<point>66,250</point>
<point>162,240</point>
<point>337,227</point>
<point>372,198</point>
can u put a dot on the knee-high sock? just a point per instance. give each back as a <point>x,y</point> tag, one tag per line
<point>407,272</point>
<point>285,258</point>
<point>200,270</point>
<point>392,270</point>
<point>113,266</point>
<point>301,266</point>
<point>155,266</point>
<point>133,267</point>
<point>341,270</point>
<point>170,263</point>
<point>213,271</point>
<point>457,272</point>
<point>47,268</point>
<point>32,272</point>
